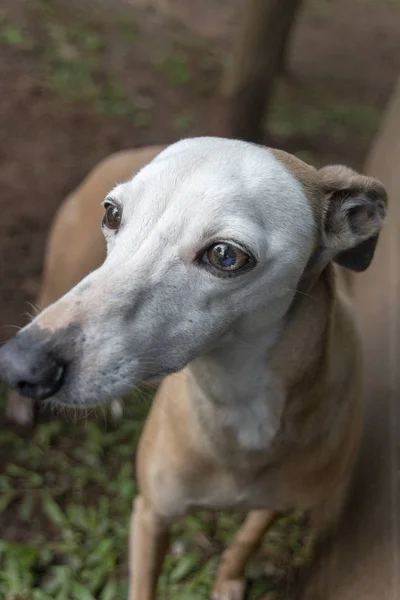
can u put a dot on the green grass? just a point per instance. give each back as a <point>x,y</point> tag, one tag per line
<point>176,69</point>
<point>328,116</point>
<point>13,36</point>
<point>68,488</point>
<point>183,122</point>
<point>73,58</point>
<point>71,54</point>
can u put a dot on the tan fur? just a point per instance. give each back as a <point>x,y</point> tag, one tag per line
<point>185,452</point>
<point>306,174</point>
<point>313,454</point>
<point>311,463</point>
<point>188,458</point>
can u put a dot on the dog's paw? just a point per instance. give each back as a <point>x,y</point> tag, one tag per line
<point>229,589</point>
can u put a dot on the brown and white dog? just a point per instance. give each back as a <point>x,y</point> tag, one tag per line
<point>219,275</point>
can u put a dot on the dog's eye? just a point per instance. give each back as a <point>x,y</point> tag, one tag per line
<point>112,216</point>
<point>226,257</point>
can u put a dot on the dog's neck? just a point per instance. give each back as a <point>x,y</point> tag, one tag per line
<point>233,380</point>
<point>242,386</point>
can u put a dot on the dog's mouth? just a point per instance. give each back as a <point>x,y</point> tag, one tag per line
<point>61,370</point>
<point>72,384</point>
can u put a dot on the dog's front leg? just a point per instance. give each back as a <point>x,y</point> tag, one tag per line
<point>149,537</point>
<point>230,584</point>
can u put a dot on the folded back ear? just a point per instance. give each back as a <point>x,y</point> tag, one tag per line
<point>353,215</point>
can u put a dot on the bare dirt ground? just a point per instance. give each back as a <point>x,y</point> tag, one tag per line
<point>81,79</point>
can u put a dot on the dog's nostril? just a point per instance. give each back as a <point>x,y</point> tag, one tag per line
<point>27,364</point>
<point>40,388</point>
<point>23,387</point>
<point>58,374</point>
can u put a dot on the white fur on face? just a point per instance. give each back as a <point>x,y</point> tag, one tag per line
<point>151,308</point>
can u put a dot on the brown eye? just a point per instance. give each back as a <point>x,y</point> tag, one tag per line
<point>112,216</point>
<point>226,257</point>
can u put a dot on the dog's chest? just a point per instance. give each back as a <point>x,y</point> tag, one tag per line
<point>253,422</point>
<point>233,421</point>
<point>239,489</point>
<point>246,420</point>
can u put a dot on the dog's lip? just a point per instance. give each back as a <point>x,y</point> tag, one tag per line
<point>69,374</point>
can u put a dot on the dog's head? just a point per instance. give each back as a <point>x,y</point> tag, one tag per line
<point>209,239</point>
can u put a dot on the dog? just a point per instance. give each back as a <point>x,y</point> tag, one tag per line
<point>223,276</point>
<point>76,245</point>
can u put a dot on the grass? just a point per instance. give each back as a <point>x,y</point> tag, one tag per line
<point>183,122</point>
<point>65,504</point>
<point>329,116</point>
<point>71,53</point>
<point>13,36</point>
<point>78,63</point>
<point>68,488</point>
<point>175,67</point>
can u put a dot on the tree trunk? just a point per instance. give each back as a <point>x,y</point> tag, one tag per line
<point>257,60</point>
<point>283,60</point>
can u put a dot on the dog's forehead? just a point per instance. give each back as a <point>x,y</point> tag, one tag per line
<point>206,169</point>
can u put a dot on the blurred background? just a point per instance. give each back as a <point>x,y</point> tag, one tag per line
<point>79,80</point>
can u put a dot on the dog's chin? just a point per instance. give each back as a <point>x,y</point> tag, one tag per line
<point>83,409</point>
<point>78,402</point>
<point>72,395</point>
<point>77,392</point>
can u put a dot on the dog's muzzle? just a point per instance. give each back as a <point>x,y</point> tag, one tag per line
<point>29,366</point>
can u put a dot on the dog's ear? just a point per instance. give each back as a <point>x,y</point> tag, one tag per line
<point>353,214</point>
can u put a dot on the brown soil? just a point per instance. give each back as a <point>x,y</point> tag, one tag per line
<point>167,67</point>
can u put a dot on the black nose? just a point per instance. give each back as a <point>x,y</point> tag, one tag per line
<point>27,365</point>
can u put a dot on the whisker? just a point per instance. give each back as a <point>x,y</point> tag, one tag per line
<point>27,315</point>
<point>17,327</point>
<point>35,308</point>
<point>296,291</point>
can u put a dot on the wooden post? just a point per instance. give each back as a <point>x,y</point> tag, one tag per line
<point>257,60</point>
